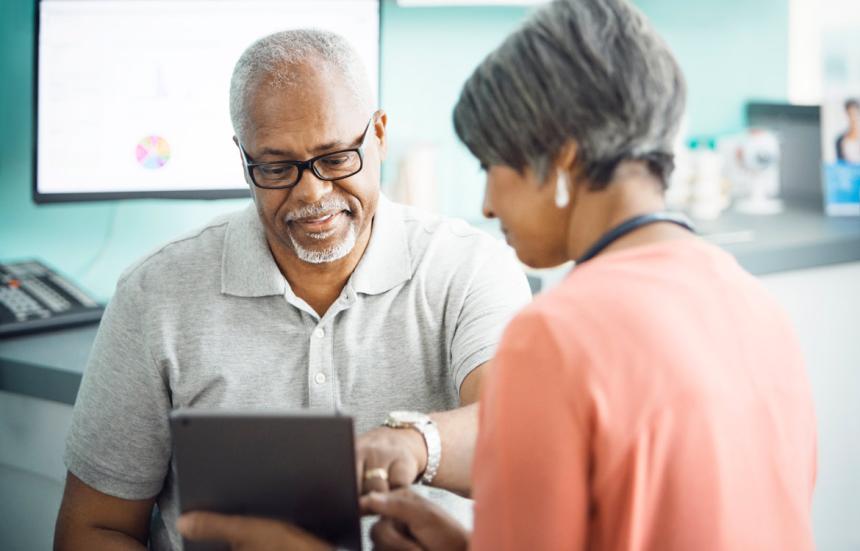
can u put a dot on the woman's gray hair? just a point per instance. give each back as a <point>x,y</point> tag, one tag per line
<point>593,71</point>
<point>272,58</point>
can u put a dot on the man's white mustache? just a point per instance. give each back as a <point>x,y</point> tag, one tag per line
<point>319,210</point>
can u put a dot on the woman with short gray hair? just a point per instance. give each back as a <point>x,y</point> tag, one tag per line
<point>655,399</point>
<point>592,72</point>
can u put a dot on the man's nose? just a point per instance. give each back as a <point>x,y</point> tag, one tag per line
<point>310,189</point>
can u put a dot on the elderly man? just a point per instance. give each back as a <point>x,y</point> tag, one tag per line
<point>321,294</point>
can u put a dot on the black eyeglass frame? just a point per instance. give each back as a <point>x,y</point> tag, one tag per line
<point>308,164</point>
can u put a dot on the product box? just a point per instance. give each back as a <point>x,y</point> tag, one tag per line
<point>840,122</point>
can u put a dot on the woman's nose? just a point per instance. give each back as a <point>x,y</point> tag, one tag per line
<point>487,207</point>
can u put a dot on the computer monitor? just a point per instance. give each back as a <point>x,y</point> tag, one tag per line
<point>132,95</point>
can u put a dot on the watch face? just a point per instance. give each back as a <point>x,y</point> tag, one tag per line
<point>407,417</point>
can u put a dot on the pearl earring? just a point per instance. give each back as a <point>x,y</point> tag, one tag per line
<point>562,196</point>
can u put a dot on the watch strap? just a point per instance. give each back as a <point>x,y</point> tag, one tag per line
<point>430,432</point>
<point>432,440</point>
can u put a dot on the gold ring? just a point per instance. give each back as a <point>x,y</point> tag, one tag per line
<point>380,473</point>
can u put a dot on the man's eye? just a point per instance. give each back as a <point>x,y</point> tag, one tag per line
<point>335,161</point>
<point>275,171</point>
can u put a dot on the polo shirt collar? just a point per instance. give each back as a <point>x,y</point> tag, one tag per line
<point>249,270</point>
<point>386,262</point>
<point>247,266</point>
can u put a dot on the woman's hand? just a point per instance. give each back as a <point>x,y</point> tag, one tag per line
<point>248,533</point>
<point>411,523</point>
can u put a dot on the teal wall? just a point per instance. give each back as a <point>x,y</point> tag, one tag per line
<point>730,50</point>
<point>427,54</point>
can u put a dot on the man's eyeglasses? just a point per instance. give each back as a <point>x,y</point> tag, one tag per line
<point>336,165</point>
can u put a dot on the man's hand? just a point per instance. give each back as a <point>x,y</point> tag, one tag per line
<point>388,458</point>
<point>248,533</point>
<point>411,523</point>
<point>400,453</point>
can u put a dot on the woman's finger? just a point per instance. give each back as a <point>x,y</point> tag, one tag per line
<point>403,505</point>
<point>386,537</point>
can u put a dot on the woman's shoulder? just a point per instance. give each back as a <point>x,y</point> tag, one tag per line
<point>552,322</point>
<point>597,296</point>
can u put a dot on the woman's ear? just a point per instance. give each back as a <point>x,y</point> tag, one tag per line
<point>564,173</point>
<point>566,159</point>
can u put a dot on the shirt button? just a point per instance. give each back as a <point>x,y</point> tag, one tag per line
<point>319,333</point>
<point>319,378</point>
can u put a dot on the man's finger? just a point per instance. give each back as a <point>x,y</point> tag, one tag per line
<point>211,526</point>
<point>359,474</point>
<point>242,532</point>
<point>386,537</point>
<point>375,478</point>
<point>400,475</point>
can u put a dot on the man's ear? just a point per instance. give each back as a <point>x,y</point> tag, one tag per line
<point>239,150</point>
<point>242,162</point>
<point>379,130</point>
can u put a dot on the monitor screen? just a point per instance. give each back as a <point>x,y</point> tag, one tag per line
<point>132,95</point>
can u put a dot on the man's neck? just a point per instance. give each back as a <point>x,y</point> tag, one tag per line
<point>318,284</point>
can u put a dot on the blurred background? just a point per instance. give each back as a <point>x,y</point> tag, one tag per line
<point>731,51</point>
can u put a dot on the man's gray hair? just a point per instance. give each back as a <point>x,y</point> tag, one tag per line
<point>271,60</point>
<point>593,71</point>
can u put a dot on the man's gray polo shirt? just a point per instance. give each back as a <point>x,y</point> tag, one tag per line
<point>209,321</point>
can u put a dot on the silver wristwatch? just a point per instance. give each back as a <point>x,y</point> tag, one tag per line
<point>427,427</point>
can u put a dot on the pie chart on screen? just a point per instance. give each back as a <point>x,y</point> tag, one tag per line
<point>153,152</point>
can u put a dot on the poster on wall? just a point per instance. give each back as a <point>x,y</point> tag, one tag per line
<point>840,121</point>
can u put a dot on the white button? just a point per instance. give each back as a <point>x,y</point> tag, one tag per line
<point>319,378</point>
<point>319,333</point>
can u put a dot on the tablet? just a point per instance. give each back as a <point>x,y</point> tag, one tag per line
<point>299,467</point>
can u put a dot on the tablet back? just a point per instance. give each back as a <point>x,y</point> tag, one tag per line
<point>293,466</point>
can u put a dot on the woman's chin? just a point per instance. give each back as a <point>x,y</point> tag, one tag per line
<point>539,260</point>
